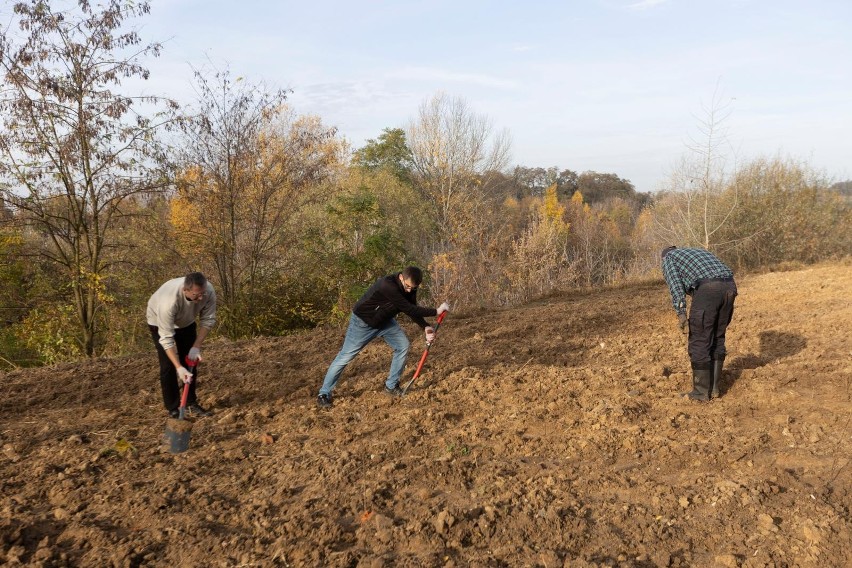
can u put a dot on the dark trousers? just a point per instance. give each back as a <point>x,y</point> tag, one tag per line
<point>184,338</point>
<point>711,312</point>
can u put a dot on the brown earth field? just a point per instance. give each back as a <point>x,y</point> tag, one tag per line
<point>547,435</point>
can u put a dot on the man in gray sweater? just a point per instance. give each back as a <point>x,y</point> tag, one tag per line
<point>171,315</point>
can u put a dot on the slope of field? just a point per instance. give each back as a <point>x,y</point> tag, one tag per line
<point>550,435</point>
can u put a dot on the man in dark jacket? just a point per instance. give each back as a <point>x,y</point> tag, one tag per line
<point>698,273</point>
<point>374,316</point>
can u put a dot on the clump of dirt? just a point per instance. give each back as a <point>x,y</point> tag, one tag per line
<point>550,435</point>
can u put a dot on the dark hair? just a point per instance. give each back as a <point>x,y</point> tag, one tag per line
<point>666,251</point>
<point>195,279</point>
<point>413,274</point>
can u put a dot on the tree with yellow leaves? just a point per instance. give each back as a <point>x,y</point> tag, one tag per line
<point>249,169</point>
<point>538,262</point>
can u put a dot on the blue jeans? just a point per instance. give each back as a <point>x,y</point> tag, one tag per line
<point>358,335</point>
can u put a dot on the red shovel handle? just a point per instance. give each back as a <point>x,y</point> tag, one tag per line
<point>435,331</point>
<point>191,364</point>
<point>184,396</point>
<point>425,354</point>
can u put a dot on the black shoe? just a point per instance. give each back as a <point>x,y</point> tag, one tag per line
<point>174,413</point>
<point>324,401</point>
<point>395,391</point>
<point>196,409</point>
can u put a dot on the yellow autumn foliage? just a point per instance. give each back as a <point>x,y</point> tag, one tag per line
<point>553,212</point>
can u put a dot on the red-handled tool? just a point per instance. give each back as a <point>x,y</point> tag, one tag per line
<point>425,353</point>
<point>191,368</point>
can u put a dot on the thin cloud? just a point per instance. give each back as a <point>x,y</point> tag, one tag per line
<point>647,4</point>
<point>340,94</point>
<point>520,48</point>
<point>434,75</point>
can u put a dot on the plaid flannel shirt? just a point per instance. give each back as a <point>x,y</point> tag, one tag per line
<point>684,267</point>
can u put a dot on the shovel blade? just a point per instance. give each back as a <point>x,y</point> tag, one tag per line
<point>177,435</point>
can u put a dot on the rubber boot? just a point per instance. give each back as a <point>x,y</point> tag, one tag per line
<point>717,377</point>
<point>701,383</point>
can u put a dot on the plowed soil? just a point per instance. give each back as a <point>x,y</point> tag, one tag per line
<point>549,435</point>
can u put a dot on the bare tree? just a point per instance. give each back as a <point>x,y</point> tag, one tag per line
<point>72,149</point>
<point>693,208</point>
<point>454,151</point>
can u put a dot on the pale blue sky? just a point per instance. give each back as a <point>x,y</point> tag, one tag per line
<point>607,85</point>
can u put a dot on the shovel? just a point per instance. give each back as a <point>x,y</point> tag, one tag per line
<point>179,429</point>
<point>425,353</point>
